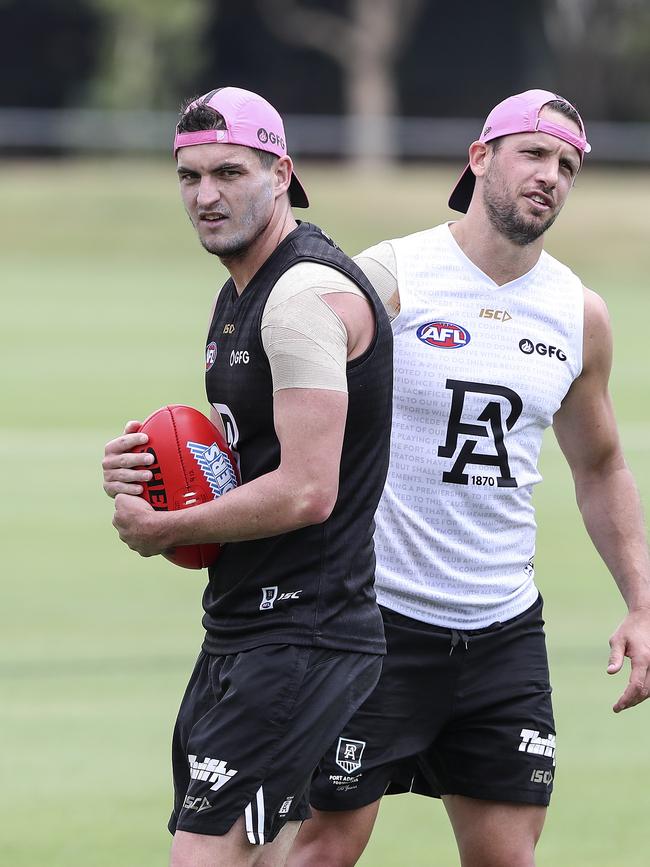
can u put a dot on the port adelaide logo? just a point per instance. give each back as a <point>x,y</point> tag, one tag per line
<point>349,753</point>
<point>443,335</point>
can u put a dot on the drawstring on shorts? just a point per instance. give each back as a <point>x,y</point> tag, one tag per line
<point>456,637</point>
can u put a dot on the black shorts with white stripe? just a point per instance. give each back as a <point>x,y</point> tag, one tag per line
<point>251,729</point>
<point>464,713</point>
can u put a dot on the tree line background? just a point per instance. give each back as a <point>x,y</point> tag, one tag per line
<point>374,57</point>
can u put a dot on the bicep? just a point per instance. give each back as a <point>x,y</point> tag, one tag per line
<point>585,425</point>
<point>310,425</point>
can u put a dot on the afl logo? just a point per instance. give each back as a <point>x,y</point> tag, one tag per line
<point>443,335</point>
<point>210,355</point>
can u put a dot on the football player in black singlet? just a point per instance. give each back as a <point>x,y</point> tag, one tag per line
<point>298,375</point>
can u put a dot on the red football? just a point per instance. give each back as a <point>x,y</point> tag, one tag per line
<point>192,465</point>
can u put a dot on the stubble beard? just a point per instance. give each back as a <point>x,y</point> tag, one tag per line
<point>252,224</point>
<point>506,219</point>
<point>231,248</point>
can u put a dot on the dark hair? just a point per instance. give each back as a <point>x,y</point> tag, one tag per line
<point>203,116</point>
<point>563,107</point>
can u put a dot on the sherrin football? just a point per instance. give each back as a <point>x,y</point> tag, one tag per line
<point>192,465</point>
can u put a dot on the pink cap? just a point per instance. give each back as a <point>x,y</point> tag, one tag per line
<point>518,113</point>
<point>251,121</point>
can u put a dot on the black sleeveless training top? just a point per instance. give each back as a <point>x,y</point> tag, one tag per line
<point>312,586</point>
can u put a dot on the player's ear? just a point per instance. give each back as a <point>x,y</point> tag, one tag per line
<point>282,169</point>
<point>478,157</point>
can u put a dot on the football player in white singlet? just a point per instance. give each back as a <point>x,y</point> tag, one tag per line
<point>462,710</point>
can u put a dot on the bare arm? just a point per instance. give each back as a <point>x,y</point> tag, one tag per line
<point>609,502</point>
<point>309,424</point>
<point>303,489</point>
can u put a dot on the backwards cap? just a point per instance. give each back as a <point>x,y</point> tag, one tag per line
<point>518,113</point>
<point>251,121</point>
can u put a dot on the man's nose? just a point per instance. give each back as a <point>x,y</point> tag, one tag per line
<point>209,192</point>
<point>548,172</point>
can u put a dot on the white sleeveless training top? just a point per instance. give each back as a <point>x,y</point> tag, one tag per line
<point>480,370</point>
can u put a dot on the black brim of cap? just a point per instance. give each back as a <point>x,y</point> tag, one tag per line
<point>297,194</point>
<point>462,193</point>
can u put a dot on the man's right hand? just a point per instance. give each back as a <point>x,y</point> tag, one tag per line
<point>123,471</point>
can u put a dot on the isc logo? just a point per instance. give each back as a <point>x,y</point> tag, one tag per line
<point>271,595</point>
<point>499,315</point>
<point>443,335</point>
<point>541,776</point>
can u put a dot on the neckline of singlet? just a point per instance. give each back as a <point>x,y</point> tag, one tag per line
<point>464,258</point>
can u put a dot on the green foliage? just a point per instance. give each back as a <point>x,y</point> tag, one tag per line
<point>107,294</point>
<point>152,49</point>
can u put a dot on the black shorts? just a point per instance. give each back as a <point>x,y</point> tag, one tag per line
<point>251,729</point>
<point>453,713</point>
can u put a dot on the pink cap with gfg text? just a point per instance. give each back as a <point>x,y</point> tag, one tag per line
<point>517,114</point>
<point>251,121</point>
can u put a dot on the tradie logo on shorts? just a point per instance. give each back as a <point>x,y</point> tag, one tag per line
<point>215,466</point>
<point>532,743</point>
<point>214,771</point>
<point>271,595</point>
<point>349,753</point>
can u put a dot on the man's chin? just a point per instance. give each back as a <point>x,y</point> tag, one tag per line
<point>221,248</point>
<point>527,229</point>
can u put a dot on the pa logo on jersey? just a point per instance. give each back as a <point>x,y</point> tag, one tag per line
<point>210,355</point>
<point>443,335</point>
<point>348,754</point>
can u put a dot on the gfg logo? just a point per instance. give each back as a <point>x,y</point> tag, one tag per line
<point>239,356</point>
<point>264,136</point>
<point>528,347</point>
<point>443,335</point>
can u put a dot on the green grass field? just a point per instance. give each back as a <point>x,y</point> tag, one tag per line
<point>106,295</point>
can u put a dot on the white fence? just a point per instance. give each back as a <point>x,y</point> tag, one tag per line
<point>84,130</point>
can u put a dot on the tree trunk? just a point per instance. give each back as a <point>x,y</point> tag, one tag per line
<point>365,44</point>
